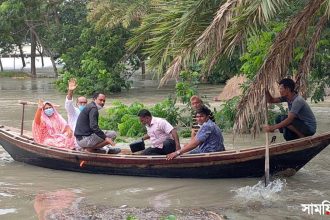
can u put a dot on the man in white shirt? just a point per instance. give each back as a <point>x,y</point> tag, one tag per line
<point>164,138</point>
<point>73,111</point>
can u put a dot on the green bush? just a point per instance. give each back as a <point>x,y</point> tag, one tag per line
<point>124,118</point>
<point>225,118</point>
<point>167,109</point>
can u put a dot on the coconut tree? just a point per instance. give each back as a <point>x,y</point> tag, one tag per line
<point>128,13</point>
<point>182,32</point>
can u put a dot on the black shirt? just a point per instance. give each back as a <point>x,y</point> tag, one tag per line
<point>87,122</point>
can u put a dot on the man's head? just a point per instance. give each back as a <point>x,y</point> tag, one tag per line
<point>203,115</point>
<point>99,99</point>
<point>196,102</point>
<point>81,102</point>
<point>287,86</point>
<point>145,117</point>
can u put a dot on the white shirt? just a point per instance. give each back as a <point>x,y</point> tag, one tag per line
<point>158,131</point>
<point>73,113</point>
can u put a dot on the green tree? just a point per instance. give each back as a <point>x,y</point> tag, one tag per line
<point>127,13</point>
<point>96,61</point>
<point>181,32</point>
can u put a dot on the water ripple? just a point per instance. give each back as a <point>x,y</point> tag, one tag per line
<point>260,193</point>
<point>5,158</point>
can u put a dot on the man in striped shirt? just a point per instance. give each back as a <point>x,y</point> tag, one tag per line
<point>196,104</point>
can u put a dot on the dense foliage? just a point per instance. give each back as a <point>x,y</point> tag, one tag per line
<point>124,119</point>
<point>96,61</point>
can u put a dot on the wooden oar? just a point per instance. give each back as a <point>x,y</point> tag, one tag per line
<point>33,103</point>
<point>267,147</point>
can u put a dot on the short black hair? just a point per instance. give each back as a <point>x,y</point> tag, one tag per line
<point>96,94</point>
<point>288,83</point>
<point>204,110</point>
<point>144,113</point>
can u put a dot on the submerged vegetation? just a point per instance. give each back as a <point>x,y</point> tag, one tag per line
<point>14,74</point>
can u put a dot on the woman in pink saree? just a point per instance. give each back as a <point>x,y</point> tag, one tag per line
<point>50,128</point>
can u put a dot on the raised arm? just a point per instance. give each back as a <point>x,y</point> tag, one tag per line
<point>72,85</point>
<point>271,99</point>
<point>37,116</point>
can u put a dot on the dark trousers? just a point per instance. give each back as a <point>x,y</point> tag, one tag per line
<point>297,123</point>
<point>168,147</point>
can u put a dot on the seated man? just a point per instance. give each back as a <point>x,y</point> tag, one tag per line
<point>88,134</point>
<point>163,136</point>
<point>73,111</point>
<point>300,122</point>
<point>197,103</point>
<point>208,138</point>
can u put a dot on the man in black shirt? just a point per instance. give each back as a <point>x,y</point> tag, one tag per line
<point>88,134</point>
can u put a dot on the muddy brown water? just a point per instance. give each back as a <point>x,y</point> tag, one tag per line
<point>29,192</point>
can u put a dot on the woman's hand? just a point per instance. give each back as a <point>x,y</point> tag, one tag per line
<point>68,132</point>
<point>40,103</point>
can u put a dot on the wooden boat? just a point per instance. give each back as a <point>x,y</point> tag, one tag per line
<point>291,155</point>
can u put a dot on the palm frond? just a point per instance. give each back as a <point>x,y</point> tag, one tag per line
<point>248,17</point>
<point>251,109</point>
<point>327,8</point>
<point>304,66</point>
<point>212,37</point>
<point>233,22</point>
<point>112,13</point>
<point>179,24</point>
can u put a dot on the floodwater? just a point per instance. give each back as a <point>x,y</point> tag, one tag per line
<point>28,192</point>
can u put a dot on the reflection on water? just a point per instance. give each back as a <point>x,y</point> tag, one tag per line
<point>55,205</point>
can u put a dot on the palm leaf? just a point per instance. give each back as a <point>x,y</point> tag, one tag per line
<point>304,66</point>
<point>232,23</point>
<point>251,108</point>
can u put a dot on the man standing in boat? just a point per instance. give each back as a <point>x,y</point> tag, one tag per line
<point>73,111</point>
<point>300,121</point>
<point>208,138</point>
<point>87,132</point>
<point>164,138</point>
<point>196,104</point>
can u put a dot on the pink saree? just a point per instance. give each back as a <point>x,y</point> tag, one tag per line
<point>50,131</point>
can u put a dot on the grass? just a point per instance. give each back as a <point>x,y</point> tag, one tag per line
<point>13,74</point>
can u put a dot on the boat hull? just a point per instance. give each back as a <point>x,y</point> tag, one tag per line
<point>231,164</point>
